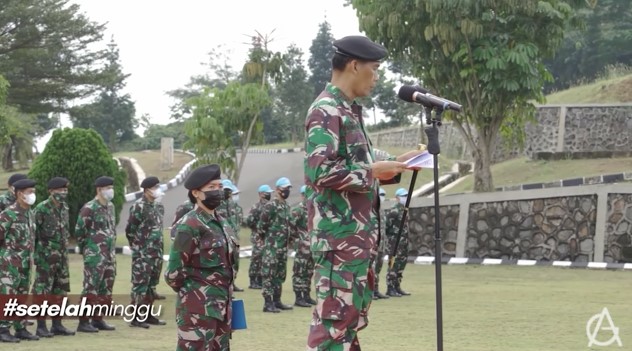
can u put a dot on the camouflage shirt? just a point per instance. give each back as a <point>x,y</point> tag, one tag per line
<point>95,230</point>
<point>274,223</point>
<point>183,209</point>
<point>252,221</point>
<point>200,265</point>
<point>298,227</point>
<point>228,210</point>
<point>342,211</point>
<point>17,234</point>
<point>51,230</point>
<point>144,228</point>
<point>7,199</point>
<point>393,219</point>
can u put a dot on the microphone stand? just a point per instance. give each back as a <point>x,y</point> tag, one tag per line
<point>434,149</point>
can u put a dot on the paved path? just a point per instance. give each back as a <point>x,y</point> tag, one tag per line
<point>258,169</point>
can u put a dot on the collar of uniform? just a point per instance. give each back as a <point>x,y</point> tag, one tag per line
<point>10,196</point>
<point>205,215</point>
<point>339,95</point>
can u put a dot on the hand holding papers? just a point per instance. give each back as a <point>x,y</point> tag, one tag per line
<point>423,160</point>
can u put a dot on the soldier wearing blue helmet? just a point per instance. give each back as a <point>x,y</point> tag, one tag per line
<point>256,238</point>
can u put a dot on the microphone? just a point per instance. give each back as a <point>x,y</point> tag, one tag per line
<point>421,96</point>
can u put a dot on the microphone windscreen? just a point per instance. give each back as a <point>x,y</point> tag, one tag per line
<point>406,93</point>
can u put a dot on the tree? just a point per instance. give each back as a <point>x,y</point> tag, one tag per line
<point>112,115</point>
<point>46,53</point>
<point>80,155</point>
<point>294,93</point>
<point>155,132</point>
<point>486,54</point>
<point>319,63</point>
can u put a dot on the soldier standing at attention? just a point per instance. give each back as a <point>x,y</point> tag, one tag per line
<point>8,198</point>
<point>256,238</point>
<point>52,277</point>
<point>17,230</point>
<point>393,220</point>
<point>183,209</point>
<point>96,237</point>
<point>341,170</point>
<point>200,268</point>
<point>303,268</point>
<point>275,223</point>
<point>144,234</point>
<point>382,247</point>
<point>227,211</point>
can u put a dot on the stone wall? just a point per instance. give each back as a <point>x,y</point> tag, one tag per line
<point>579,224</point>
<point>560,129</point>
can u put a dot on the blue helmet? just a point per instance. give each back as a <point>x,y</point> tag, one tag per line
<point>265,188</point>
<point>401,192</point>
<point>226,183</point>
<point>303,189</point>
<point>235,189</point>
<point>283,182</point>
<point>382,192</point>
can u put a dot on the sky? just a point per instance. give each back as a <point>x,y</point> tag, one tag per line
<point>163,43</point>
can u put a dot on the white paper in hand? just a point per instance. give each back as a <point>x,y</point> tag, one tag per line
<point>423,160</point>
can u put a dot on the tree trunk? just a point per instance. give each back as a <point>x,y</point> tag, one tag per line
<point>244,148</point>
<point>483,181</point>
<point>294,138</point>
<point>7,156</point>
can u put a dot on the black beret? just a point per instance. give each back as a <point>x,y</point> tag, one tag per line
<point>360,47</point>
<point>23,184</point>
<point>15,177</point>
<point>149,182</point>
<point>103,181</point>
<point>202,175</point>
<point>57,182</point>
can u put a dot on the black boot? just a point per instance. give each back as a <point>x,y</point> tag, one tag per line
<point>309,299</point>
<point>24,334</point>
<point>160,297</point>
<point>399,289</point>
<point>377,294</point>
<point>151,320</point>
<point>86,327</point>
<point>278,304</point>
<point>391,291</point>
<point>300,300</point>
<point>137,323</point>
<point>101,324</point>
<point>5,336</point>
<point>253,282</point>
<point>237,289</point>
<point>268,306</point>
<point>59,329</point>
<point>41,330</point>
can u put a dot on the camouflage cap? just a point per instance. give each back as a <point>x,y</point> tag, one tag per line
<point>24,184</point>
<point>57,183</point>
<point>202,175</point>
<point>15,177</point>
<point>360,47</point>
<point>149,182</point>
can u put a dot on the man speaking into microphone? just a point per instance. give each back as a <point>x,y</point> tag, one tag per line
<point>343,178</point>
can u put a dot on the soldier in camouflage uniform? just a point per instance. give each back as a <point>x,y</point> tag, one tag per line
<point>95,232</point>
<point>229,211</point>
<point>200,268</point>
<point>144,234</point>
<point>275,224</point>
<point>378,262</point>
<point>341,171</point>
<point>393,220</point>
<point>239,211</point>
<point>17,230</point>
<point>51,256</point>
<point>183,209</point>
<point>8,198</point>
<point>256,238</point>
<point>303,268</point>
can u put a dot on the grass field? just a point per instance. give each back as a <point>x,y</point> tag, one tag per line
<point>490,308</point>
<point>617,89</point>
<point>522,170</point>
<point>149,161</point>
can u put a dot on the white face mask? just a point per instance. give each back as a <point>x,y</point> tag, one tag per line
<point>236,198</point>
<point>108,194</point>
<point>382,198</point>
<point>402,200</point>
<point>157,193</point>
<point>30,199</point>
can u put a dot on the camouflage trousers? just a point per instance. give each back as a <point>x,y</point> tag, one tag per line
<point>303,270</point>
<point>273,271</point>
<point>344,291</point>
<point>98,279</point>
<point>394,275</point>
<point>254,270</point>
<point>202,333</point>
<point>377,264</point>
<point>51,276</point>
<point>145,275</point>
<point>14,281</point>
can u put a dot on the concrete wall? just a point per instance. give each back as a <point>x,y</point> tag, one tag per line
<point>591,223</point>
